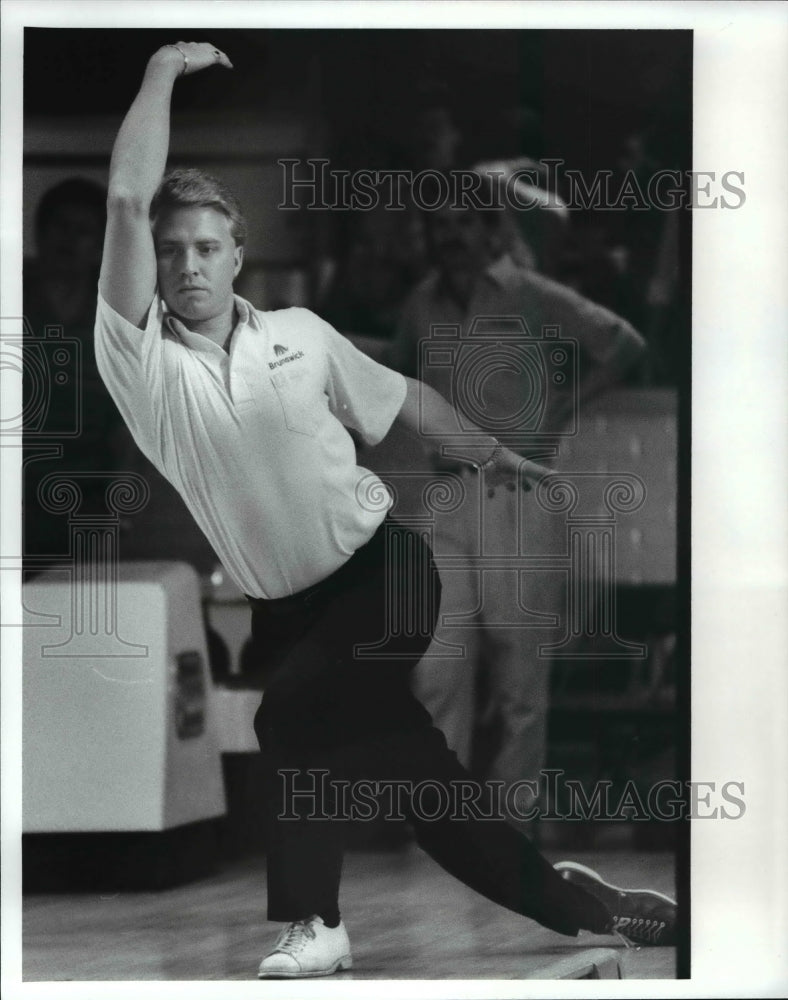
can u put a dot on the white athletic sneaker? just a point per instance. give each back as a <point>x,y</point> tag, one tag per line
<point>307,948</point>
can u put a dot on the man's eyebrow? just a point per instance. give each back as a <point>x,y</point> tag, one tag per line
<point>207,241</point>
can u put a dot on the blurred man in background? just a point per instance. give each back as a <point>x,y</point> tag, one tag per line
<point>59,291</point>
<point>492,702</point>
<point>382,253</point>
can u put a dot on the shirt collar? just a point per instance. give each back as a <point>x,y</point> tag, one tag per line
<point>247,316</point>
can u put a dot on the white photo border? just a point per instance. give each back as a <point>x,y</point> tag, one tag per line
<point>739,473</point>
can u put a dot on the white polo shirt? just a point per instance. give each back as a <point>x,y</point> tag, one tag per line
<point>256,441</point>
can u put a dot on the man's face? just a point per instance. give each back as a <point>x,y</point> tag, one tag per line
<point>459,243</point>
<point>197,261</point>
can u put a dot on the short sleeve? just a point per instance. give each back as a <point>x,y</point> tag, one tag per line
<point>129,360</point>
<point>362,394</point>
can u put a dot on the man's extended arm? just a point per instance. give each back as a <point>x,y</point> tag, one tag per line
<point>427,414</point>
<point>139,156</point>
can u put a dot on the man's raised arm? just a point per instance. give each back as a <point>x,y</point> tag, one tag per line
<point>139,156</point>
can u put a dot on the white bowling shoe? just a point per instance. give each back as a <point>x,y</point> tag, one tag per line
<point>307,948</point>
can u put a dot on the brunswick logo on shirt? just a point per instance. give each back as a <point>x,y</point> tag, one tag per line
<point>279,351</point>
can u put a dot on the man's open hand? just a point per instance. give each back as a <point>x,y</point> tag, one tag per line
<point>510,471</point>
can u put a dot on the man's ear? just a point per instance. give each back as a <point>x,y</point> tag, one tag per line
<point>239,259</point>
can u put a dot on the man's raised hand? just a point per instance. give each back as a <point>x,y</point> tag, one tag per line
<point>139,157</point>
<point>195,56</point>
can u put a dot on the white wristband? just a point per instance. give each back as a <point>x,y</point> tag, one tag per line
<point>185,57</point>
<point>497,449</point>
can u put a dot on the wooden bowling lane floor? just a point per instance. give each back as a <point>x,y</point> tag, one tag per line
<point>407,919</point>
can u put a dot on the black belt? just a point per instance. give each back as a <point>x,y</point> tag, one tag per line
<point>304,598</point>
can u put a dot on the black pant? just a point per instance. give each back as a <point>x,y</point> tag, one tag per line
<point>332,706</point>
